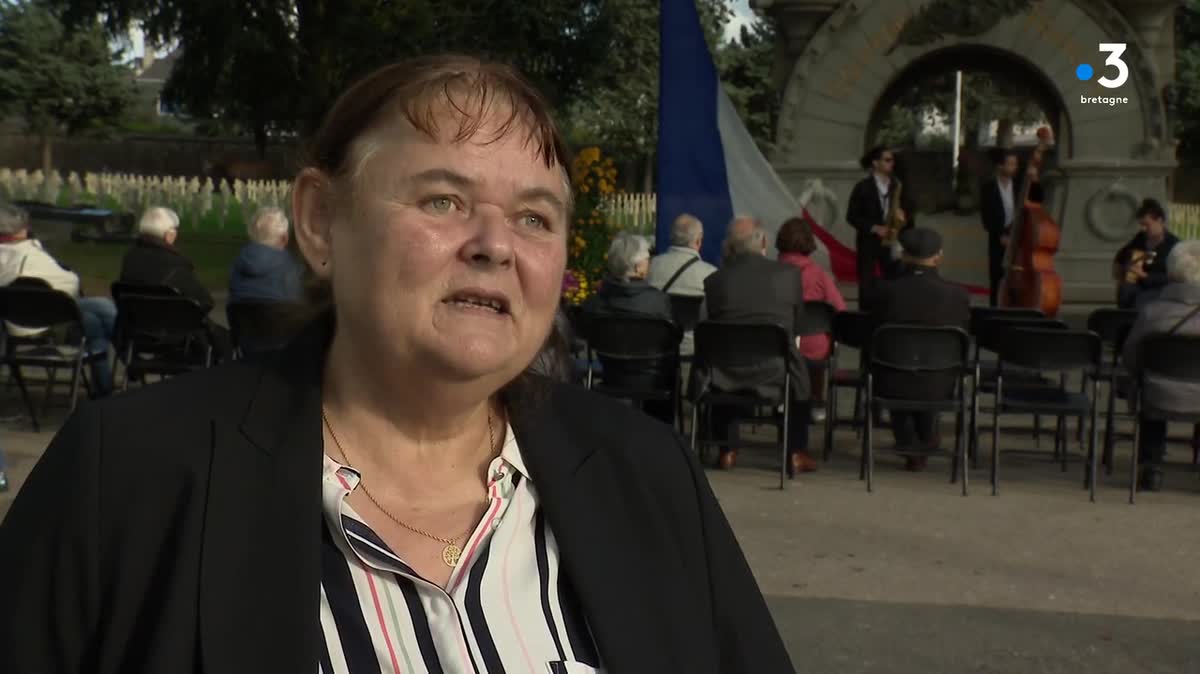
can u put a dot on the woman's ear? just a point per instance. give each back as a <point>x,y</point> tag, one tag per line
<point>313,214</point>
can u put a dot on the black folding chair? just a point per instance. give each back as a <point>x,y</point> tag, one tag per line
<point>622,343</point>
<point>851,329</point>
<point>260,327</point>
<point>160,334</point>
<point>62,345</point>
<point>1164,355</point>
<point>991,333</point>
<point>923,351</point>
<point>981,315</point>
<point>685,311</point>
<point>733,346</point>
<point>1048,350</point>
<point>1112,325</point>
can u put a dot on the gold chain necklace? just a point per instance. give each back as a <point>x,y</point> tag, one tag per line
<point>452,552</point>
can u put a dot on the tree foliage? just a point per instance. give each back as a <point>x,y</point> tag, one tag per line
<point>1185,94</point>
<point>58,80</point>
<point>745,64</point>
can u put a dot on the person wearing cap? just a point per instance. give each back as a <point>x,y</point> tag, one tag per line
<point>919,296</point>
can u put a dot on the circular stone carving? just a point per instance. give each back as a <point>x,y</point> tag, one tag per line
<point>820,202</point>
<point>1111,210</point>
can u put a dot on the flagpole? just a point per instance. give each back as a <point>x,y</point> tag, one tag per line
<point>958,80</point>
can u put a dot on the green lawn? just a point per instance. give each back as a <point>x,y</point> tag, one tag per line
<point>99,264</point>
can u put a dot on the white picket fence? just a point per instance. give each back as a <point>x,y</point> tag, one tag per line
<point>199,203</point>
<point>632,212</point>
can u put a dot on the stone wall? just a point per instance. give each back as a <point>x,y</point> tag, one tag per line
<point>146,155</point>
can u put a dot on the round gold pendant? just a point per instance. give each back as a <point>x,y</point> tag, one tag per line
<point>451,554</point>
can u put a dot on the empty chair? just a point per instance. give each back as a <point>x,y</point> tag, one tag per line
<point>990,336</point>
<point>1112,325</point>
<point>1048,350</point>
<point>749,350</point>
<point>851,329</point>
<point>640,357</point>
<point>62,346</point>
<point>917,369</point>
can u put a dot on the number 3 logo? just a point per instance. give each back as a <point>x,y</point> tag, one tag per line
<point>1114,49</point>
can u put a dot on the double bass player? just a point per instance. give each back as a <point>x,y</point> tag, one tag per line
<point>999,207</point>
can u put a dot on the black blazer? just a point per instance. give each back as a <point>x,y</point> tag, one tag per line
<point>177,529</point>
<point>753,288</point>
<point>922,297</point>
<point>991,209</point>
<point>152,262</point>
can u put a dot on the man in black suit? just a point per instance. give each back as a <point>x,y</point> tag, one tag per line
<point>998,208</point>
<point>867,211</point>
<point>919,296</point>
<point>753,288</point>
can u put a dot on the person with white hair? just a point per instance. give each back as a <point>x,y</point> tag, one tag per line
<point>679,270</point>
<point>625,292</point>
<point>264,270</point>
<point>1176,310</point>
<point>154,260</point>
<point>22,256</point>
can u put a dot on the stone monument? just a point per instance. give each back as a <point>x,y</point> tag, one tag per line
<point>840,64</point>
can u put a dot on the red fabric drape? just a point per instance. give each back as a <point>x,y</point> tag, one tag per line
<point>841,257</point>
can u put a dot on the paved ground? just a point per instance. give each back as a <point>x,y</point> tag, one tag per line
<point>914,578</point>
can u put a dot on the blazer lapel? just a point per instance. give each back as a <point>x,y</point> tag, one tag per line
<point>260,566</point>
<point>612,560</point>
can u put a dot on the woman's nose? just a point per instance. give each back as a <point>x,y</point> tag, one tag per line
<point>491,240</point>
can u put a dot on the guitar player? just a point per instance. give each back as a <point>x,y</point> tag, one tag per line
<point>1140,267</point>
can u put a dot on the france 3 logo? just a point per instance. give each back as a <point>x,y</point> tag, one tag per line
<point>1085,72</point>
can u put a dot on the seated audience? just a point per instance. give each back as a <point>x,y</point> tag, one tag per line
<point>752,288</point>
<point>680,271</point>
<point>625,292</point>
<point>1140,267</point>
<point>918,296</point>
<point>796,244</point>
<point>264,270</point>
<point>1175,311</point>
<point>740,227</point>
<point>154,260</point>
<point>23,256</point>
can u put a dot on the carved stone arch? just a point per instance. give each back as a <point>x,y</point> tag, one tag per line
<point>840,74</point>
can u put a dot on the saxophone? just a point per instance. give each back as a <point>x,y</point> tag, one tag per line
<point>893,223</point>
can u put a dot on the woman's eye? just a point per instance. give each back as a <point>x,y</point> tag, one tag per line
<point>535,221</point>
<point>441,204</point>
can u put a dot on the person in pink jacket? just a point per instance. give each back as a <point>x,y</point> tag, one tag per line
<point>796,243</point>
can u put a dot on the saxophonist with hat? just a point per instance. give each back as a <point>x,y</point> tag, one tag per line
<point>879,210</point>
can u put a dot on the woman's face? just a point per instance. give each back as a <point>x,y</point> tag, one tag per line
<point>449,256</point>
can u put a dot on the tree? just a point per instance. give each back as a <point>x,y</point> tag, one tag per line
<point>1184,96</point>
<point>619,109</point>
<point>745,64</point>
<point>59,81</point>
<point>277,65</point>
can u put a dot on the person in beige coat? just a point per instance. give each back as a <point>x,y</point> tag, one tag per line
<point>1177,310</point>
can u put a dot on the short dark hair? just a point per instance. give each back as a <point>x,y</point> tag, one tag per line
<point>1152,208</point>
<point>796,236</point>
<point>873,155</point>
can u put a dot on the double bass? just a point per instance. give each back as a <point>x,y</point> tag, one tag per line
<point>1030,280</point>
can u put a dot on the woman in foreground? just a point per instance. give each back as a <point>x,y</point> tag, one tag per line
<point>397,492</point>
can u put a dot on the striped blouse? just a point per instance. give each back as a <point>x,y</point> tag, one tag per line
<point>508,606</point>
